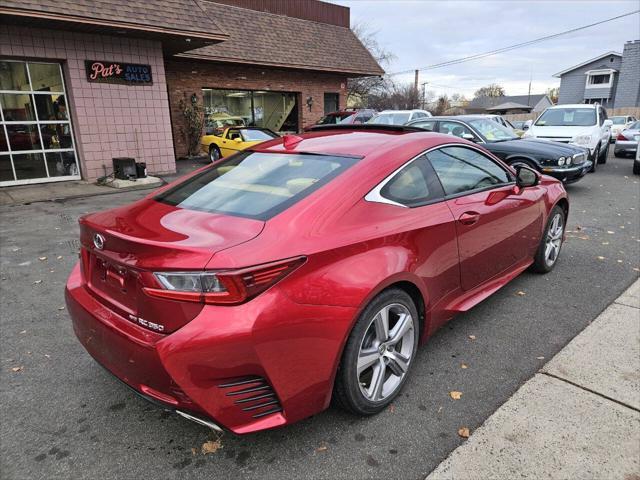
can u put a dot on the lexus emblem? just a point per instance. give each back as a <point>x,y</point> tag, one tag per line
<point>98,241</point>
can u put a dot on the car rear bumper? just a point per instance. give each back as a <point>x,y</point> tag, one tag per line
<point>250,367</point>
<point>629,146</point>
<point>568,174</point>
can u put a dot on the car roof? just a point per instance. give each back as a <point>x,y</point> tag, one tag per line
<point>575,105</point>
<point>352,140</point>
<point>402,111</point>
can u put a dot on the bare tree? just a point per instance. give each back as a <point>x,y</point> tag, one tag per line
<point>395,97</point>
<point>358,89</point>
<point>442,105</point>
<point>491,90</point>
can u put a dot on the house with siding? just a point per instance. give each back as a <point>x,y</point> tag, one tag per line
<point>611,79</point>
<point>509,104</point>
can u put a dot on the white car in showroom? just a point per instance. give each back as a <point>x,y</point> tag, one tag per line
<point>585,125</point>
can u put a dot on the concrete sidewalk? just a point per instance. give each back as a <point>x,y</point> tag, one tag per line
<point>578,418</point>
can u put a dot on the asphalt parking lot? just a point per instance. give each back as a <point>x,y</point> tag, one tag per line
<point>63,416</point>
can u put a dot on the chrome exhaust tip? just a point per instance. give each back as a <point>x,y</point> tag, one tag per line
<point>200,421</point>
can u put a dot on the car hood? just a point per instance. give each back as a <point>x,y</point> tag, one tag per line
<point>536,147</point>
<point>560,131</point>
<point>150,235</point>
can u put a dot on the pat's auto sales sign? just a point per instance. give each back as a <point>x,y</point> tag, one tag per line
<point>118,72</point>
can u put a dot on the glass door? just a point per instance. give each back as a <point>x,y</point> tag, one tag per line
<point>36,136</point>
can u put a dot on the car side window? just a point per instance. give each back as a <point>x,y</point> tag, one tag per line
<point>601,115</point>
<point>454,128</point>
<point>414,185</point>
<point>429,125</point>
<point>462,169</point>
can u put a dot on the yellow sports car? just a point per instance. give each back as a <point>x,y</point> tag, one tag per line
<point>234,139</point>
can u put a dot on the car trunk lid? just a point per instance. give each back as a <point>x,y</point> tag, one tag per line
<point>148,237</point>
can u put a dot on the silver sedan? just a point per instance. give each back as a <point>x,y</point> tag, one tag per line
<point>627,141</point>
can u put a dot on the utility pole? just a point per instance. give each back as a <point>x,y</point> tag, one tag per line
<point>415,83</point>
<point>424,94</point>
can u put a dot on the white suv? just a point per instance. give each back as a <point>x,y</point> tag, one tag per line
<point>581,124</point>
<point>398,117</point>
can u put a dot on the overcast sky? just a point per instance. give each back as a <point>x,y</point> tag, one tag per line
<point>424,32</point>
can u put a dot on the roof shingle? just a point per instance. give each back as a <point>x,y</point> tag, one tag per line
<point>184,16</point>
<point>277,40</point>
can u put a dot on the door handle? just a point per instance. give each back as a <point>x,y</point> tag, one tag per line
<point>469,218</point>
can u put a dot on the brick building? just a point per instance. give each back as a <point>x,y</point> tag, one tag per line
<point>82,82</point>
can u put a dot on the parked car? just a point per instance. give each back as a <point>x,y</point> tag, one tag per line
<point>251,293</point>
<point>232,140</point>
<point>585,125</point>
<point>398,117</point>
<point>567,163</point>
<point>620,123</point>
<point>636,162</point>
<point>627,141</point>
<point>520,125</point>
<point>348,117</point>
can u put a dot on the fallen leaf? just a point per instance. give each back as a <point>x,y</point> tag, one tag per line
<point>464,365</point>
<point>392,408</point>
<point>15,249</point>
<point>636,269</point>
<point>16,369</point>
<point>194,451</point>
<point>605,243</point>
<point>578,228</point>
<point>23,331</point>
<point>463,432</point>
<point>455,395</point>
<point>321,448</point>
<point>60,308</point>
<point>46,355</point>
<point>212,446</point>
<point>37,282</point>
<point>520,293</point>
<point>42,259</point>
<point>439,409</point>
<point>600,258</point>
<point>610,232</point>
<point>59,257</point>
<point>472,337</point>
<point>619,261</point>
<point>540,358</point>
<point>584,237</point>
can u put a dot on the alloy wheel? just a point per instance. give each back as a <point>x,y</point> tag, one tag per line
<point>385,352</point>
<point>214,154</point>
<point>553,241</point>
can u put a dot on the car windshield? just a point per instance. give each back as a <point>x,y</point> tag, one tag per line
<point>567,117</point>
<point>492,131</point>
<point>255,135</point>
<point>619,120</point>
<point>390,119</point>
<point>635,126</point>
<point>334,118</point>
<point>256,185</point>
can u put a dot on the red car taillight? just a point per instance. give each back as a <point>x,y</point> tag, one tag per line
<point>227,287</point>
<point>621,137</point>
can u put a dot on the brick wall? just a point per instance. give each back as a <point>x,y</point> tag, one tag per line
<point>187,77</point>
<point>108,120</point>
<point>628,92</point>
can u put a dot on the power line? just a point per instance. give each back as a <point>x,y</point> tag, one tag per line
<point>513,47</point>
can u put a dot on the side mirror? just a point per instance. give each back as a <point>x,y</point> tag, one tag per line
<point>470,137</point>
<point>526,177</point>
<point>608,123</point>
<point>237,140</point>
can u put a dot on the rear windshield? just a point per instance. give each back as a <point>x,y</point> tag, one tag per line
<point>619,120</point>
<point>567,117</point>
<point>256,185</point>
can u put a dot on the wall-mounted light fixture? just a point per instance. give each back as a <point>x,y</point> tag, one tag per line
<point>309,102</point>
<point>194,98</point>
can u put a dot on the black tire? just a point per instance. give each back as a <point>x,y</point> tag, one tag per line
<point>604,155</point>
<point>618,154</point>
<point>347,393</point>
<point>636,168</point>
<point>540,263</point>
<point>214,153</point>
<point>594,161</point>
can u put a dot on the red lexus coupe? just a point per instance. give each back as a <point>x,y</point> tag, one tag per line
<point>253,292</point>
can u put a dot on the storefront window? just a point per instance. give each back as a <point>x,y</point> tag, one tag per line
<point>277,111</point>
<point>36,136</point>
